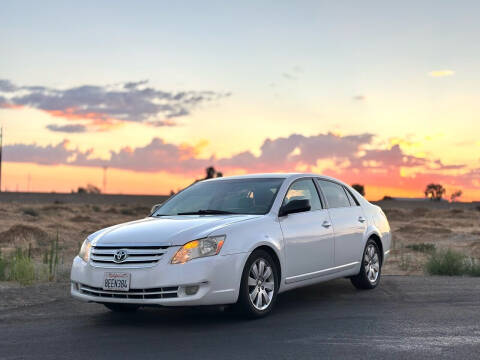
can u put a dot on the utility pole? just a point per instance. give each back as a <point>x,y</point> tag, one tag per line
<point>105,167</point>
<point>1,145</point>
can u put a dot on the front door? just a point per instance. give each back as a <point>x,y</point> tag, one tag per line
<point>309,241</point>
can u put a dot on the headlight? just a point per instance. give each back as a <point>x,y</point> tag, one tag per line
<point>84,252</point>
<point>199,248</point>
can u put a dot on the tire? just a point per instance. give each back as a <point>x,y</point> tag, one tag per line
<point>370,269</point>
<point>258,292</point>
<point>123,308</point>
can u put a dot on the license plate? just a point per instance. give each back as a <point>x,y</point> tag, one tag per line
<point>116,281</point>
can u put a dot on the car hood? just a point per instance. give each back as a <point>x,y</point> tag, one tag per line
<point>165,230</point>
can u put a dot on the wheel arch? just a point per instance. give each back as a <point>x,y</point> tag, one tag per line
<point>375,237</point>
<point>273,253</point>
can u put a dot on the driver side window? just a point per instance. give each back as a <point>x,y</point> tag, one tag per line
<point>304,189</point>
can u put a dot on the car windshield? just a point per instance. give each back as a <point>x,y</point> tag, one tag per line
<point>236,196</point>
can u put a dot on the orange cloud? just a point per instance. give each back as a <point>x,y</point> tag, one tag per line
<point>330,154</point>
<point>10,106</point>
<point>96,121</point>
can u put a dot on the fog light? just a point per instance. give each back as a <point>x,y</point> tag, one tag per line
<point>191,290</point>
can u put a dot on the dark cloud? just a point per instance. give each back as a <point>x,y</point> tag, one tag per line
<point>393,157</point>
<point>440,165</point>
<point>279,154</point>
<point>349,158</point>
<point>7,86</point>
<point>44,155</point>
<point>76,128</point>
<point>104,105</point>
<point>287,152</point>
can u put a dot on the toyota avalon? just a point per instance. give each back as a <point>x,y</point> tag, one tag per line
<point>235,240</point>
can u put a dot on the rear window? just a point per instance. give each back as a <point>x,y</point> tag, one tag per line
<point>335,194</point>
<point>353,199</point>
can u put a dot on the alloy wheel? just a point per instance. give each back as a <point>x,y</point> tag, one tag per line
<point>261,284</point>
<point>371,262</point>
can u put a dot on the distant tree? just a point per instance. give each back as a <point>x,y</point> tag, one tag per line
<point>212,173</point>
<point>387,197</point>
<point>89,189</point>
<point>92,189</point>
<point>360,188</point>
<point>455,195</point>
<point>434,191</point>
<point>172,192</point>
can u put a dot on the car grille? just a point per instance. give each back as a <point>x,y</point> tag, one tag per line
<point>138,256</point>
<point>152,293</point>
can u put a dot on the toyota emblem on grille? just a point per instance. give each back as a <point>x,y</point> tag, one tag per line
<point>120,256</point>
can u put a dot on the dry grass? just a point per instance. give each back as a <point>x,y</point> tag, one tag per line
<point>451,263</point>
<point>416,231</point>
<point>419,232</point>
<point>19,229</point>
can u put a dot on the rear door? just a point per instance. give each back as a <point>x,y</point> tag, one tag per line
<point>348,222</point>
<point>308,235</point>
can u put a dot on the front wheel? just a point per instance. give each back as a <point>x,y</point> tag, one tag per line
<point>371,268</point>
<point>259,285</point>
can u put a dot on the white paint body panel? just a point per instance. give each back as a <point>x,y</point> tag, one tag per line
<point>349,233</point>
<point>309,246</point>
<point>307,252</point>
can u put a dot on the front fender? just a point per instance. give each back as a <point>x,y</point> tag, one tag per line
<point>245,237</point>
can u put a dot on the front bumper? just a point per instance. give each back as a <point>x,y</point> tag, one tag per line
<point>217,278</point>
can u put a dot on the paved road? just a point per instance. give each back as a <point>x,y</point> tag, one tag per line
<point>405,318</point>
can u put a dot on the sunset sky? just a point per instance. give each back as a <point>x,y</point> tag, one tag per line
<point>385,94</point>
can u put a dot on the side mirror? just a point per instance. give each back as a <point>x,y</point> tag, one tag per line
<point>154,208</point>
<point>295,206</point>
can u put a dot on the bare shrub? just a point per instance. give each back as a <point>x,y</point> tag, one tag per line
<point>452,263</point>
<point>422,247</point>
<point>30,211</point>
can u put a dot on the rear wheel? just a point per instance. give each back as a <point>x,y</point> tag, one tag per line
<point>371,268</point>
<point>259,285</point>
<point>121,307</point>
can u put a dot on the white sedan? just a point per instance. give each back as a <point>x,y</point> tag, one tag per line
<point>236,240</point>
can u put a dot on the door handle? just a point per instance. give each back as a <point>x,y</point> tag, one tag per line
<point>361,219</point>
<point>326,224</point>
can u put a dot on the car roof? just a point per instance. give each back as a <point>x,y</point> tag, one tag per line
<point>273,176</point>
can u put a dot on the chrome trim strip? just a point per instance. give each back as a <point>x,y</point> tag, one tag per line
<point>387,252</point>
<point>101,256</point>
<point>131,244</point>
<point>145,259</point>
<point>97,251</point>
<point>323,272</point>
<point>122,266</point>
<point>83,288</point>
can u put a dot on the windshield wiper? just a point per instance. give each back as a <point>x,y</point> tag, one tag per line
<point>206,212</point>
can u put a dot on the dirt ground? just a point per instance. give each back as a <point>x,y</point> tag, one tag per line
<point>454,226</point>
<point>36,223</point>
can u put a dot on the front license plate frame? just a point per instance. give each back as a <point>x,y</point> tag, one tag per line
<point>116,281</point>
